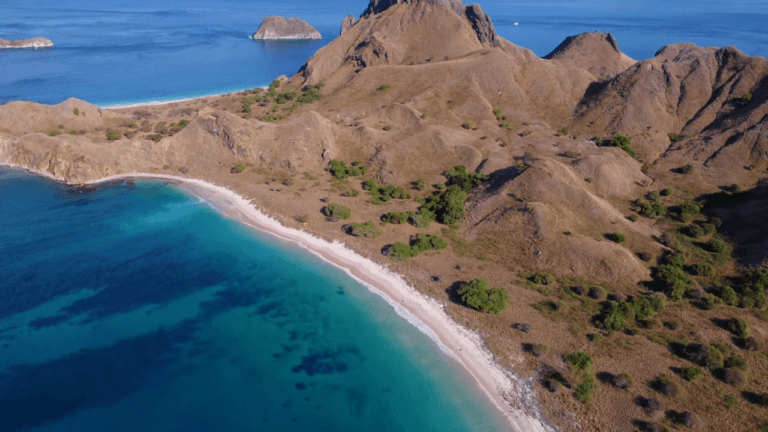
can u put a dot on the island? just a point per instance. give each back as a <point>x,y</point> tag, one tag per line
<point>276,27</point>
<point>595,223</point>
<point>37,42</point>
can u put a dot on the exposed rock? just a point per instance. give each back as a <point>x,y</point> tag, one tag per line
<point>482,25</point>
<point>38,42</point>
<point>379,6</point>
<point>596,52</point>
<point>525,328</point>
<point>347,23</point>
<point>277,27</point>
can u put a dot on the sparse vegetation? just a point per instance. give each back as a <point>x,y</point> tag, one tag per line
<point>418,244</point>
<point>686,169</point>
<point>617,237</point>
<point>112,135</point>
<point>690,373</point>
<point>76,112</point>
<point>381,193</point>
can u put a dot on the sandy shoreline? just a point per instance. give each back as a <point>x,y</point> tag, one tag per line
<point>425,313</point>
<point>171,101</point>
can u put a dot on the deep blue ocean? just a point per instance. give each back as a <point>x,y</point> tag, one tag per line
<point>134,306</point>
<point>126,51</point>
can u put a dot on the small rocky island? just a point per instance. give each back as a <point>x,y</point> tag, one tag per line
<point>38,42</point>
<point>277,27</point>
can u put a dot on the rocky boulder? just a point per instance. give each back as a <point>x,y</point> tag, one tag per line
<point>277,27</point>
<point>38,42</point>
<point>347,23</point>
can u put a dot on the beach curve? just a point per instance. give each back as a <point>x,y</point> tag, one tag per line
<point>462,345</point>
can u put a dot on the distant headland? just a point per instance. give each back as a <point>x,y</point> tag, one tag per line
<point>277,27</point>
<point>38,42</point>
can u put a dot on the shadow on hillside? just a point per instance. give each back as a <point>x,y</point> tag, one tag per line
<point>453,292</point>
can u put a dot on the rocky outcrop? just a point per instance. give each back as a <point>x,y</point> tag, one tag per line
<point>378,6</point>
<point>347,23</point>
<point>277,27</point>
<point>595,52</point>
<point>482,25</point>
<point>38,42</point>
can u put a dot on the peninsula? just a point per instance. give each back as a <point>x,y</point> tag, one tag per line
<point>276,27</point>
<point>595,223</point>
<point>38,42</point>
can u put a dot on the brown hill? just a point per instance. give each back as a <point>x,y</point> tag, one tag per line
<point>684,89</point>
<point>596,52</point>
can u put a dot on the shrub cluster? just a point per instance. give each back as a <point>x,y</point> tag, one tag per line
<point>447,207</point>
<point>465,180</point>
<point>671,278</point>
<point>337,210</point>
<point>619,315</point>
<point>340,170</point>
<point>478,295</point>
<point>690,373</point>
<point>650,210</point>
<point>381,194</point>
<point>579,360</point>
<point>418,244</point>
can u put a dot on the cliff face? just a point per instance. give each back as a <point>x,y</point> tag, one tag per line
<point>277,27</point>
<point>38,42</point>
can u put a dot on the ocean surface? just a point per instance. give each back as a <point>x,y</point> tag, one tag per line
<point>120,52</point>
<point>134,306</point>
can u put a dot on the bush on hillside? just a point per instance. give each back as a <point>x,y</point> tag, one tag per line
<point>418,244</point>
<point>690,373</point>
<point>340,170</point>
<point>579,360</point>
<point>478,295</point>
<point>738,326</point>
<point>465,180</point>
<point>337,210</point>
<point>623,143</point>
<point>366,229</point>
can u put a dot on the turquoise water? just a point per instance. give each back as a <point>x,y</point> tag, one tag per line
<point>135,306</point>
<point>120,52</point>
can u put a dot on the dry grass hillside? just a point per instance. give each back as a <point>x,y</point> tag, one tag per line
<point>633,263</point>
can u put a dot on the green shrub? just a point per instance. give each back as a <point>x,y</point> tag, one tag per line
<point>673,137</point>
<point>667,192</point>
<point>352,193</point>
<point>76,111</point>
<point>728,295</point>
<point>418,244</point>
<point>381,194</point>
<point>673,280</point>
<point>497,112</point>
<point>579,360</point>
<point>585,389</point>
<point>465,180</point>
<point>396,217</point>
<point>274,85</point>
<point>366,229</point>
<point>738,326</point>
<point>337,210</point>
<point>543,279</point>
<point>693,231</point>
<point>702,269</point>
<point>478,295</point>
<point>746,98</point>
<point>311,95</point>
<point>112,135</point>
<point>383,87</point>
<point>448,207</point>
<point>691,208</point>
<point>708,228</point>
<point>650,210</point>
<point>239,168</point>
<point>440,186</point>
<point>421,184</point>
<point>340,170</point>
<point>73,132</point>
<point>246,106</point>
<point>617,237</point>
<point>687,169</point>
<point>736,362</point>
<point>623,143</point>
<point>690,373</point>
<point>388,127</point>
<point>53,133</point>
